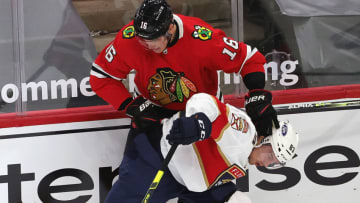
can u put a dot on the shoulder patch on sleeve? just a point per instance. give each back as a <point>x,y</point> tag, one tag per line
<point>232,172</point>
<point>202,33</point>
<point>129,32</point>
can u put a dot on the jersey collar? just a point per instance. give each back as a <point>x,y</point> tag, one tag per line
<point>180,24</point>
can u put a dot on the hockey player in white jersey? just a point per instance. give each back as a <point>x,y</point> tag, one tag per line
<point>218,142</point>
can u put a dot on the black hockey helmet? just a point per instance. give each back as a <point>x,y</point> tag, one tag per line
<point>152,19</point>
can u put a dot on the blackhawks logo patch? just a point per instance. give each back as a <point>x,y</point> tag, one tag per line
<point>129,32</point>
<point>202,33</point>
<point>168,86</point>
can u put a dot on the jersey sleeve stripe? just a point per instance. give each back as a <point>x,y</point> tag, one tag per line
<point>96,74</point>
<point>211,160</point>
<point>201,165</point>
<point>249,53</point>
<point>225,125</point>
<point>97,71</point>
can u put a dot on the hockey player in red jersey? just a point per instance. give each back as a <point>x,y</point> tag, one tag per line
<point>174,57</point>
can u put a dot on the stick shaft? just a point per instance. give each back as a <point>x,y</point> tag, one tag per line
<point>159,174</point>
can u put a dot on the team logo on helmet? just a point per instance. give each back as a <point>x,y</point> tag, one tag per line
<point>284,130</point>
<point>168,86</point>
<point>129,32</point>
<point>202,33</point>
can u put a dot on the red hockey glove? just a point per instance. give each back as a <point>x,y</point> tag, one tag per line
<point>187,130</point>
<point>144,114</point>
<point>258,106</point>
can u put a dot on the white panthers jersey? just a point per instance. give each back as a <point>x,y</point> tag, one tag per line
<point>219,159</point>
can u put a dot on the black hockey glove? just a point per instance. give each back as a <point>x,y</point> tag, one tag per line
<point>258,106</point>
<point>144,114</point>
<point>187,130</point>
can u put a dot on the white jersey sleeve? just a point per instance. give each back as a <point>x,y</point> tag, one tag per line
<point>204,103</point>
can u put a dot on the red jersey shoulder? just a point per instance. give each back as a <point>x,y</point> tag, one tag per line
<point>197,28</point>
<point>126,35</point>
<point>120,55</point>
<point>128,31</point>
<point>200,30</point>
<point>126,45</point>
<point>204,40</point>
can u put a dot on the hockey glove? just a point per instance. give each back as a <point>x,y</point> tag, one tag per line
<point>144,114</point>
<point>187,130</point>
<point>258,106</point>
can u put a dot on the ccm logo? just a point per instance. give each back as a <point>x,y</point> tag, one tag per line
<point>202,131</point>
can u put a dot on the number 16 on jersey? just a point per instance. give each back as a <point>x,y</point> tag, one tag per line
<point>233,44</point>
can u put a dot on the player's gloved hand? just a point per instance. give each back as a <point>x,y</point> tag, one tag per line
<point>259,107</point>
<point>144,114</point>
<point>187,130</point>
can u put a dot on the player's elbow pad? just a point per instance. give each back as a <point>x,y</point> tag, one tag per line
<point>255,80</point>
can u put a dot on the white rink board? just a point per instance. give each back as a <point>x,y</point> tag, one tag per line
<point>43,155</point>
<point>90,151</point>
<point>317,130</point>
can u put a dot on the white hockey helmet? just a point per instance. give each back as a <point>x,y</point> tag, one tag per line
<point>284,142</point>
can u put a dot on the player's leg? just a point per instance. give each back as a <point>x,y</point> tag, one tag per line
<point>118,191</point>
<point>136,174</point>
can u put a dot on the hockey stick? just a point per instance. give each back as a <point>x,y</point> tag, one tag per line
<point>308,107</point>
<point>159,174</point>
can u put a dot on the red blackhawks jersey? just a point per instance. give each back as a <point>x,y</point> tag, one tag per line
<point>170,78</point>
<point>218,159</point>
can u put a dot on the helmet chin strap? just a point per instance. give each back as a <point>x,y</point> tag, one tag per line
<point>168,36</point>
<point>171,39</point>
